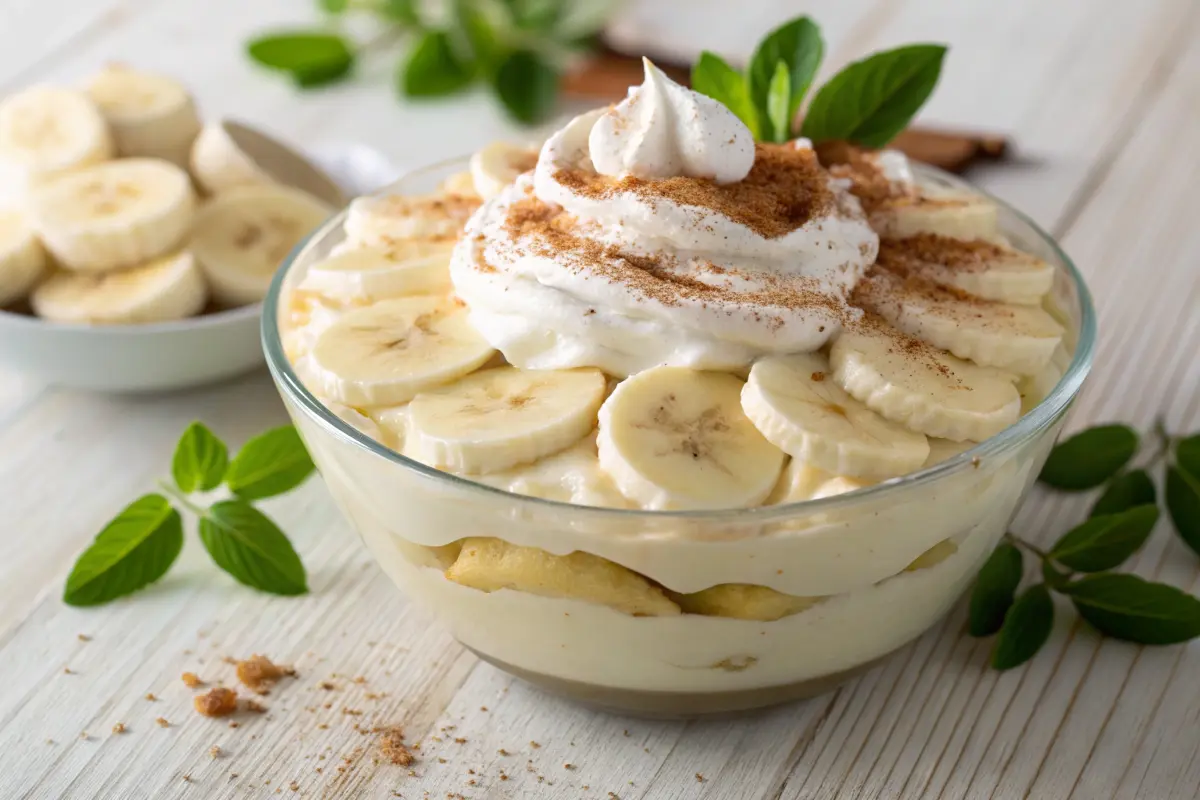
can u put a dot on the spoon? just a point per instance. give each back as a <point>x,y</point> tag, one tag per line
<point>283,164</point>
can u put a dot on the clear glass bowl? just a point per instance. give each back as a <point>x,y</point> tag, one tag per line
<point>852,550</point>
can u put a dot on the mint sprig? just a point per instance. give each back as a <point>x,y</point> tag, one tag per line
<point>1078,566</point>
<point>140,544</point>
<point>519,48</point>
<point>868,102</point>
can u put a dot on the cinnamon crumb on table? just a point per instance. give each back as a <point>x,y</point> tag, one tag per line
<point>217,702</point>
<point>191,680</point>
<point>259,673</point>
<point>392,747</point>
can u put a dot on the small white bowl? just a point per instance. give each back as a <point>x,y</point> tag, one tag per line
<point>170,355</point>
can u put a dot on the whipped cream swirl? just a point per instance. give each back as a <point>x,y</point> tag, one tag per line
<point>628,253</point>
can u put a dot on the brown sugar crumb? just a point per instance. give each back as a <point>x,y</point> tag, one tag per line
<point>817,377</point>
<point>699,778</point>
<point>460,740</point>
<point>503,752</point>
<point>217,702</point>
<point>150,696</point>
<point>235,724</point>
<point>785,188</point>
<point>259,674</point>
<point>214,752</point>
<point>118,727</point>
<point>568,766</point>
<point>83,637</point>
<point>254,707</point>
<point>534,745</point>
<point>392,747</point>
<point>191,680</point>
<point>327,686</point>
<point>162,722</point>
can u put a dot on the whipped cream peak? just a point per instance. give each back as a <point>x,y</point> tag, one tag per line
<point>663,130</point>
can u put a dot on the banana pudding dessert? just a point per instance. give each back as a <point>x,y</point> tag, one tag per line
<point>670,419</point>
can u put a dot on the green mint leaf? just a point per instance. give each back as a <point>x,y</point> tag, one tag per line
<point>1026,628</point>
<point>478,30</point>
<point>1124,492</point>
<point>711,76</point>
<point>200,460</point>
<point>269,464</point>
<point>535,15</point>
<point>1183,503</point>
<point>1089,458</point>
<point>1136,610</point>
<point>994,590</point>
<point>1054,579</point>
<point>311,58</point>
<point>434,68</point>
<point>777,104</point>
<point>249,546</point>
<point>1105,541</point>
<point>135,549</point>
<point>527,86</point>
<point>798,45</point>
<point>872,100</point>
<point>402,11</point>
<point>333,6</point>
<point>582,18</point>
<point>1187,454</point>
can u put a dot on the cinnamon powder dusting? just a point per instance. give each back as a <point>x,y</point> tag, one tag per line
<point>785,189</point>
<point>867,181</point>
<point>908,256</point>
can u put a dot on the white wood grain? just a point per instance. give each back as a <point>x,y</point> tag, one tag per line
<point>1096,101</point>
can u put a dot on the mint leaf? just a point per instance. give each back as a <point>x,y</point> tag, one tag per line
<point>1026,628</point>
<point>402,11</point>
<point>799,46</point>
<point>136,548</point>
<point>311,58</point>
<point>333,6</point>
<point>269,464</point>
<point>581,18</point>
<point>711,76</point>
<point>535,15</point>
<point>200,460</point>
<point>1105,541</point>
<point>479,34</point>
<point>1187,455</point>
<point>434,68</point>
<point>527,86</point>
<point>872,100</point>
<point>1136,610</point>
<point>1053,578</point>
<point>777,104</point>
<point>249,546</point>
<point>1183,502</point>
<point>994,590</point>
<point>1089,458</point>
<point>1124,492</point>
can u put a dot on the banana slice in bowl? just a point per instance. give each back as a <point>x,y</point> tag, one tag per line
<point>22,259</point>
<point>150,115</point>
<point>166,289</point>
<point>46,131</point>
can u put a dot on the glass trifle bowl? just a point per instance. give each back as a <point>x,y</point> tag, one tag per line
<point>680,613</point>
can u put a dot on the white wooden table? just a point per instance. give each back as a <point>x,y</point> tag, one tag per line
<point>1103,100</point>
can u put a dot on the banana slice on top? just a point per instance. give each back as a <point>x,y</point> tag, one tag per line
<point>22,259</point>
<point>676,438</point>
<point>385,354</point>
<point>386,220</point>
<point>219,164</point>
<point>113,215</point>
<point>801,481</point>
<point>369,274</point>
<point>45,131</point>
<point>460,183</point>
<point>1020,339</point>
<point>150,115</point>
<point>499,418</point>
<point>909,382</point>
<point>944,212</point>
<point>497,165</point>
<point>796,405</point>
<point>243,235</point>
<point>982,269</point>
<point>166,289</point>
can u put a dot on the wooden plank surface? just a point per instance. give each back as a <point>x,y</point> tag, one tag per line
<point>1105,108</point>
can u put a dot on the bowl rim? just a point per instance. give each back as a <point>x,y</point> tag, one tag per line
<point>1030,423</point>
<point>217,319</point>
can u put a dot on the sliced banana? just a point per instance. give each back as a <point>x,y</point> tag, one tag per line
<point>460,183</point>
<point>359,421</point>
<point>162,290</point>
<point>943,450</point>
<point>490,565</point>
<point>369,274</point>
<point>1019,339</point>
<point>218,164</point>
<point>243,235</point>
<point>393,421</point>
<point>386,220</point>
<point>933,556</point>
<point>113,215</point>
<point>796,405</point>
<point>675,438</point>
<point>982,269</point>
<point>497,165</point>
<point>743,601</point>
<point>945,212</point>
<point>385,354</point>
<point>150,115</point>
<point>45,131</point>
<point>923,388</point>
<point>499,418</point>
<point>22,259</point>
<point>572,475</point>
<point>305,317</point>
